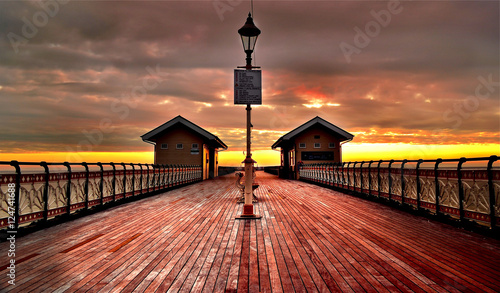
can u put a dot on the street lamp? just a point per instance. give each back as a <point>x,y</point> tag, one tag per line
<point>249,33</point>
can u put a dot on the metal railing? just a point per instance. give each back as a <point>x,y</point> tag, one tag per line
<point>39,195</point>
<point>467,194</point>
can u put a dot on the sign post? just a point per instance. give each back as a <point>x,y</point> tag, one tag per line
<point>248,91</point>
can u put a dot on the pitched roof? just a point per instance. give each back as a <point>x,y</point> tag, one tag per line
<point>152,135</point>
<point>315,121</point>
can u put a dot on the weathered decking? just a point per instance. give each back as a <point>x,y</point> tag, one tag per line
<point>309,239</point>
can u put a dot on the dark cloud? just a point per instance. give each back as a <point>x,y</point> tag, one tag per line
<point>91,57</point>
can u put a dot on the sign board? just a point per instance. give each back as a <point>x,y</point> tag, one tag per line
<point>317,156</point>
<point>247,87</point>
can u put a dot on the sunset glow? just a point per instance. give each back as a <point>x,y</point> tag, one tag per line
<point>86,85</point>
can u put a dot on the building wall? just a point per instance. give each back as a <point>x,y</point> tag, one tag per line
<point>172,155</point>
<point>309,139</point>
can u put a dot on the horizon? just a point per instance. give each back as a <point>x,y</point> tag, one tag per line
<point>82,81</point>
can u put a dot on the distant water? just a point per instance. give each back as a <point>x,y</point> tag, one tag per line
<point>7,169</point>
<point>481,165</point>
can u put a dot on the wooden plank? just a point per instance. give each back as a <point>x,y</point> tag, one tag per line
<point>262,269</point>
<point>82,243</point>
<point>229,277</point>
<point>243,272</point>
<point>199,269</point>
<point>116,248</point>
<point>215,276</point>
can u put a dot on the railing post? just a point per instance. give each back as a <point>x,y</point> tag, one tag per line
<point>491,191</point>
<point>158,181</point>
<point>370,178</point>
<point>343,175</point>
<point>147,178</point>
<point>133,178</point>
<point>86,187</point>
<point>162,175</point>
<point>153,180</point>
<point>361,176</point>
<point>140,182</point>
<point>390,180</point>
<point>436,181</point>
<point>183,174</point>
<point>460,188</point>
<point>325,173</point>
<point>68,189</point>
<point>101,184</point>
<point>378,178</point>
<point>124,180</point>
<point>348,176</point>
<point>165,176</point>
<point>403,185</point>
<point>176,175</point>
<point>354,176</point>
<point>332,174</point>
<point>113,183</point>
<point>17,190</point>
<point>46,191</point>
<point>419,187</point>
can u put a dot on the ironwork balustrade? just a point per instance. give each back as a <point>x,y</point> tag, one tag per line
<point>471,194</point>
<point>44,194</point>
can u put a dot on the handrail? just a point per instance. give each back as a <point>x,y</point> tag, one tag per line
<point>441,191</point>
<point>44,195</point>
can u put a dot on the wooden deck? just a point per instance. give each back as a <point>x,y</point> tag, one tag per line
<point>310,239</point>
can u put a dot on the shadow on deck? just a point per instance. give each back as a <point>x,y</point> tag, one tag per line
<point>309,239</point>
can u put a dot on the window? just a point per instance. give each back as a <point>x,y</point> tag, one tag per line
<point>164,146</point>
<point>316,137</point>
<point>194,149</point>
<point>331,145</point>
<point>302,145</point>
<point>179,146</point>
<point>317,145</point>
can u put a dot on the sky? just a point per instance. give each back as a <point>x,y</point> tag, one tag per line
<point>83,80</point>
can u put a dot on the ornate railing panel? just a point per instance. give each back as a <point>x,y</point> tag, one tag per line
<point>448,193</point>
<point>396,184</point>
<point>410,193</point>
<point>374,181</point>
<point>460,193</point>
<point>57,199</point>
<point>427,190</point>
<point>384,182</point>
<point>357,178</point>
<point>77,190</point>
<point>94,188</point>
<point>30,196</point>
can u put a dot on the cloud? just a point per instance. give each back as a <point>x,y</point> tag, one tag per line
<point>412,79</point>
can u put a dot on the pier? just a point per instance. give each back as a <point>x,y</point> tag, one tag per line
<point>309,239</point>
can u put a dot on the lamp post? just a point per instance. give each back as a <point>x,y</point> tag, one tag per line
<point>249,33</point>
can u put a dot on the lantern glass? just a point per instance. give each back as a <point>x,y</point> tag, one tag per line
<point>249,33</point>
<point>248,42</point>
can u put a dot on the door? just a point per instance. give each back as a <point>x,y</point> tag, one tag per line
<point>205,162</point>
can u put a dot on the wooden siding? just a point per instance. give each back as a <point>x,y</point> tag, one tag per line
<point>174,156</point>
<point>325,138</point>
